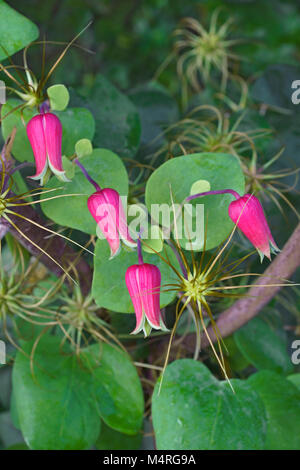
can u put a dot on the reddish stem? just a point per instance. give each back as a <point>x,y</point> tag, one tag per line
<point>208,193</point>
<point>86,174</point>
<point>139,250</point>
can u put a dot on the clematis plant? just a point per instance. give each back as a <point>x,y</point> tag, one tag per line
<point>44,132</point>
<point>75,329</point>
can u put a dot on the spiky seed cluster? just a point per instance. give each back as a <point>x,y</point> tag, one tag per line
<point>2,205</point>
<point>270,185</point>
<point>78,309</point>
<point>17,300</point>
<point>207,129</point>
<point>196,287</point>
<point>8,297</point>
<point>200,50</point>
<point>79,320</point>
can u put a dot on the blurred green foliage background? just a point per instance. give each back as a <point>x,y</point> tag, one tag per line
<point>130,39</point>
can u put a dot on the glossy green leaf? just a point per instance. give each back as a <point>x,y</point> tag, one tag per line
<point>195,411</point>
<point>14,411</point>
<point>117,120</point>
<point>83,147</point>
<point>177,176</point>
<point>22,149</point>
<point>117,389</point>
<point>109,288</point>
<point>237,361</point>
<point>138,220</point>
<point>55,407</point>
<point>295,379</point>
<point>106,168</point>
<point>200,186</point>
<point>109,439</point>
<point>282,403</point>
<point>154,243</point>
<point>59,97</point>
<point>68,167</point>
<point>19,446</point>
<point>77,123</point>
<point>16,31</point>
<point>60,405</point>
<point>263,347</point>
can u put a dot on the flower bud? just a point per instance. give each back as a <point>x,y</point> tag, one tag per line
<point>247,213</point>
<point>143,282</point>
<point>106,207</point>
<point>44,132</point>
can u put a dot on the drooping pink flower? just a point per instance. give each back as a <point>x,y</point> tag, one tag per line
<point>44,132</point>
<point>143,282</point>
<point>247,213</point>
<point>106,207</point>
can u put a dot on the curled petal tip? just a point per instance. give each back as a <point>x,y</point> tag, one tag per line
<point>129,242</point>
<point>263,254</point>
<point>61,175</point>
<point>114,252</point>
<point>274,247</point>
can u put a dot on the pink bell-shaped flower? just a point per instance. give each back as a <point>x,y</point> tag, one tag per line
<point>247,213</point>
<point>105,205</point>
<point>143,283</point>
<point>44,132</point>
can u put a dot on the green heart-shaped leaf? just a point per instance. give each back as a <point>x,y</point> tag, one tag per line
<point>117,121</point>
<point>195,411</point>
<point>176,177</point>
<point>109,288</point>
<point>16,31</point>
<point>59,97</point>
<point>282,403</point>
<point>259,343</point>
<point>60,402</point>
